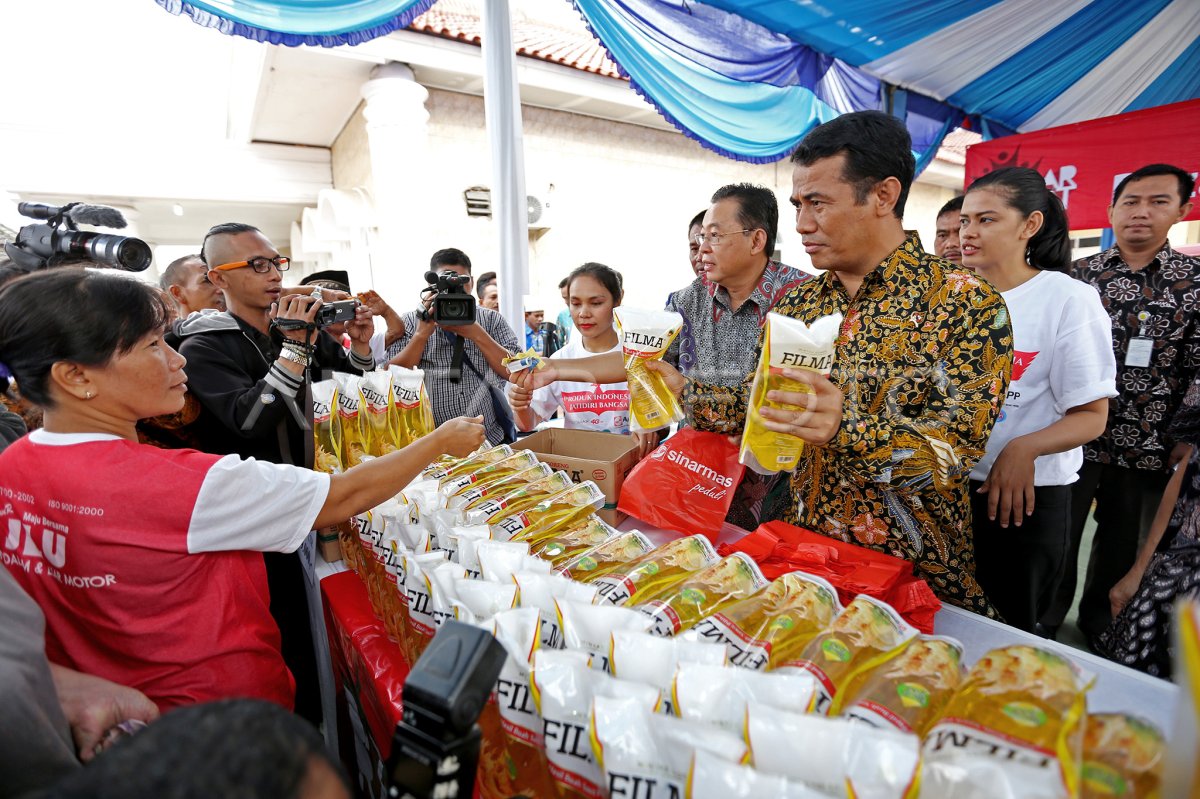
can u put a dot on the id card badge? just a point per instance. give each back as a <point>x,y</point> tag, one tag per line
<point>1139,352</point>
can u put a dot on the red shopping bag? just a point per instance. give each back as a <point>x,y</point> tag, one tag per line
<point>779,548</point>
<point>687,484</point>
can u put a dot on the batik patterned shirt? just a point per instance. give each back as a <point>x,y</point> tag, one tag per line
<point>716,342</point>
<point>1167,291</point>
<point>923,359</point>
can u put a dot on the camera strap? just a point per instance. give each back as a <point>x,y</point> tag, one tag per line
<point>456,357</point>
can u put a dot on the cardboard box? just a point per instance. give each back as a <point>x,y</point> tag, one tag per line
<point>603,458</point>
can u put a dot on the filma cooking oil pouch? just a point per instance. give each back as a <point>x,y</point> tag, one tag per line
<point>412,413</point>
<point>656,570</point>
<point>909,692</point>
<point>349,403</point>
<point>525,771</point>
<point>835,756</point>
<point>648,755</point>
<point>703,693</point>
<point>686,602</point>
<point>374,415</point>
<point>564,687</point>
<point>646,335</point>
<point>327,459</point>
<point>867,634</point>
<point>1015,727</point>
<point>653,660</point>
<point>787,344</point>
<point>590,628</point>
<point>605,557</point>
<point>788,613</point>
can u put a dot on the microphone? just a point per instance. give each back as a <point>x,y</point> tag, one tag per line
<point>79,213</point>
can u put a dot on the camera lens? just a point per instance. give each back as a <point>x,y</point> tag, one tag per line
<point>454,309</point>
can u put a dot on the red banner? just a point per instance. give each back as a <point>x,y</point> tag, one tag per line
<point>1084,162</point>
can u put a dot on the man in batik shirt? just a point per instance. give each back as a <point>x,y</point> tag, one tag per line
<point>1152,295</point>
<point>920,369</point>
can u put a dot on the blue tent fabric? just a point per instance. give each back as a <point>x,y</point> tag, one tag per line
<point>315,23</point>
<point>748,78</point>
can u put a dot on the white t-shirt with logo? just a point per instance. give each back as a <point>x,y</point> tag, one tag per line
<point>603,407</point>
<point>1062,358</point>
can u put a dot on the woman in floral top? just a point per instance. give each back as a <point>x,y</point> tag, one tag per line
<point>1168,564</point>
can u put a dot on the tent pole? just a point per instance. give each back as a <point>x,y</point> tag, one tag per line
<point>502,108</point>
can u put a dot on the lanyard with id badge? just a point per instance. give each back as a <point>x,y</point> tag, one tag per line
<point>1141,346</point>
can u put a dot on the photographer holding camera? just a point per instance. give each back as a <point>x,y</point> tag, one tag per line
<point>247,368</point>
<point>460,347</point>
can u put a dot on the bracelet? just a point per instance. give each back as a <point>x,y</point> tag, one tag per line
<point>293,356</point>
<point>297,347</point>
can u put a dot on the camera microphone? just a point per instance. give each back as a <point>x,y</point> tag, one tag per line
<point>79,213</point>
<point>42,246</point>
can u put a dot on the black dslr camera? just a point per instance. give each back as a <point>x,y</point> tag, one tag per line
<point>60,240</point>
<point>451,305</point>
<point>435,748</point>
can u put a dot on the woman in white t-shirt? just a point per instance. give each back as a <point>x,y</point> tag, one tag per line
<point>1014,234</point>
<point>593,290</point>
<point>145,561</point>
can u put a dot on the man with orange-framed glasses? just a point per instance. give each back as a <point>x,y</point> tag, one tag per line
<point>249,376</point>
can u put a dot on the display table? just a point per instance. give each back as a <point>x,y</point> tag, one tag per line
<point>370,669</point>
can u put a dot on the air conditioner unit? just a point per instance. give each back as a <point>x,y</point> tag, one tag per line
<point>539,213</point>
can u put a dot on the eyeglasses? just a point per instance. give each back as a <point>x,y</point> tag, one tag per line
<point>260,265</point>
<point>714,239</point>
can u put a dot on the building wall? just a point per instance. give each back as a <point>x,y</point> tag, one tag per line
<point>616,193</point>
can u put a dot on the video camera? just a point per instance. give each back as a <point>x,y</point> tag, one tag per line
<point>451,305</point>
<point>60,240</point>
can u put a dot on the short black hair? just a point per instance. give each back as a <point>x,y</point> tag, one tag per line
<point>450,256</point>
<point>952,206</point>
<point>876,145</point>
<point>697,221</point>
<point>9,270</point>
<point>1186,184</point>
<point>562,284</point>
<point>235,747</point>
<point>224,229</point>
<point>485,280</point>
<point>73,315</point>
<point>174,274</point>
<point>757,208</point>
<point>604,275</point>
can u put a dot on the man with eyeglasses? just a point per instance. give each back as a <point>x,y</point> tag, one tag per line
<point>738,282</point>
<point>248,376</point>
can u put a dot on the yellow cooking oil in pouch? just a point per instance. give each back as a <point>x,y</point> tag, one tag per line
<point>684,603</point>
<point>488,473</point>
<point>412,415</point>
<point>909,692</point>
<point>349,405</point>
<point>864,636</point>
<point>787,344</point>
<point>477,494</point>
<point>326,457</point>
<point>1123,756</point>
<point>1015,727</point>
<point>519,499</point>
<point>655,570</point>
<point>556,513</point>
<point>624,548</point>
<point>376,391</point>
<point>562,545</point>
<point>645,336</point>
<point>787,614</point>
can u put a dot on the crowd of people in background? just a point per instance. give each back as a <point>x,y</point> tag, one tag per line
<point>983,398</point>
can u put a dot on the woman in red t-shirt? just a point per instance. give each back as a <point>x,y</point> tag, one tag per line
<point>145,561</point>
